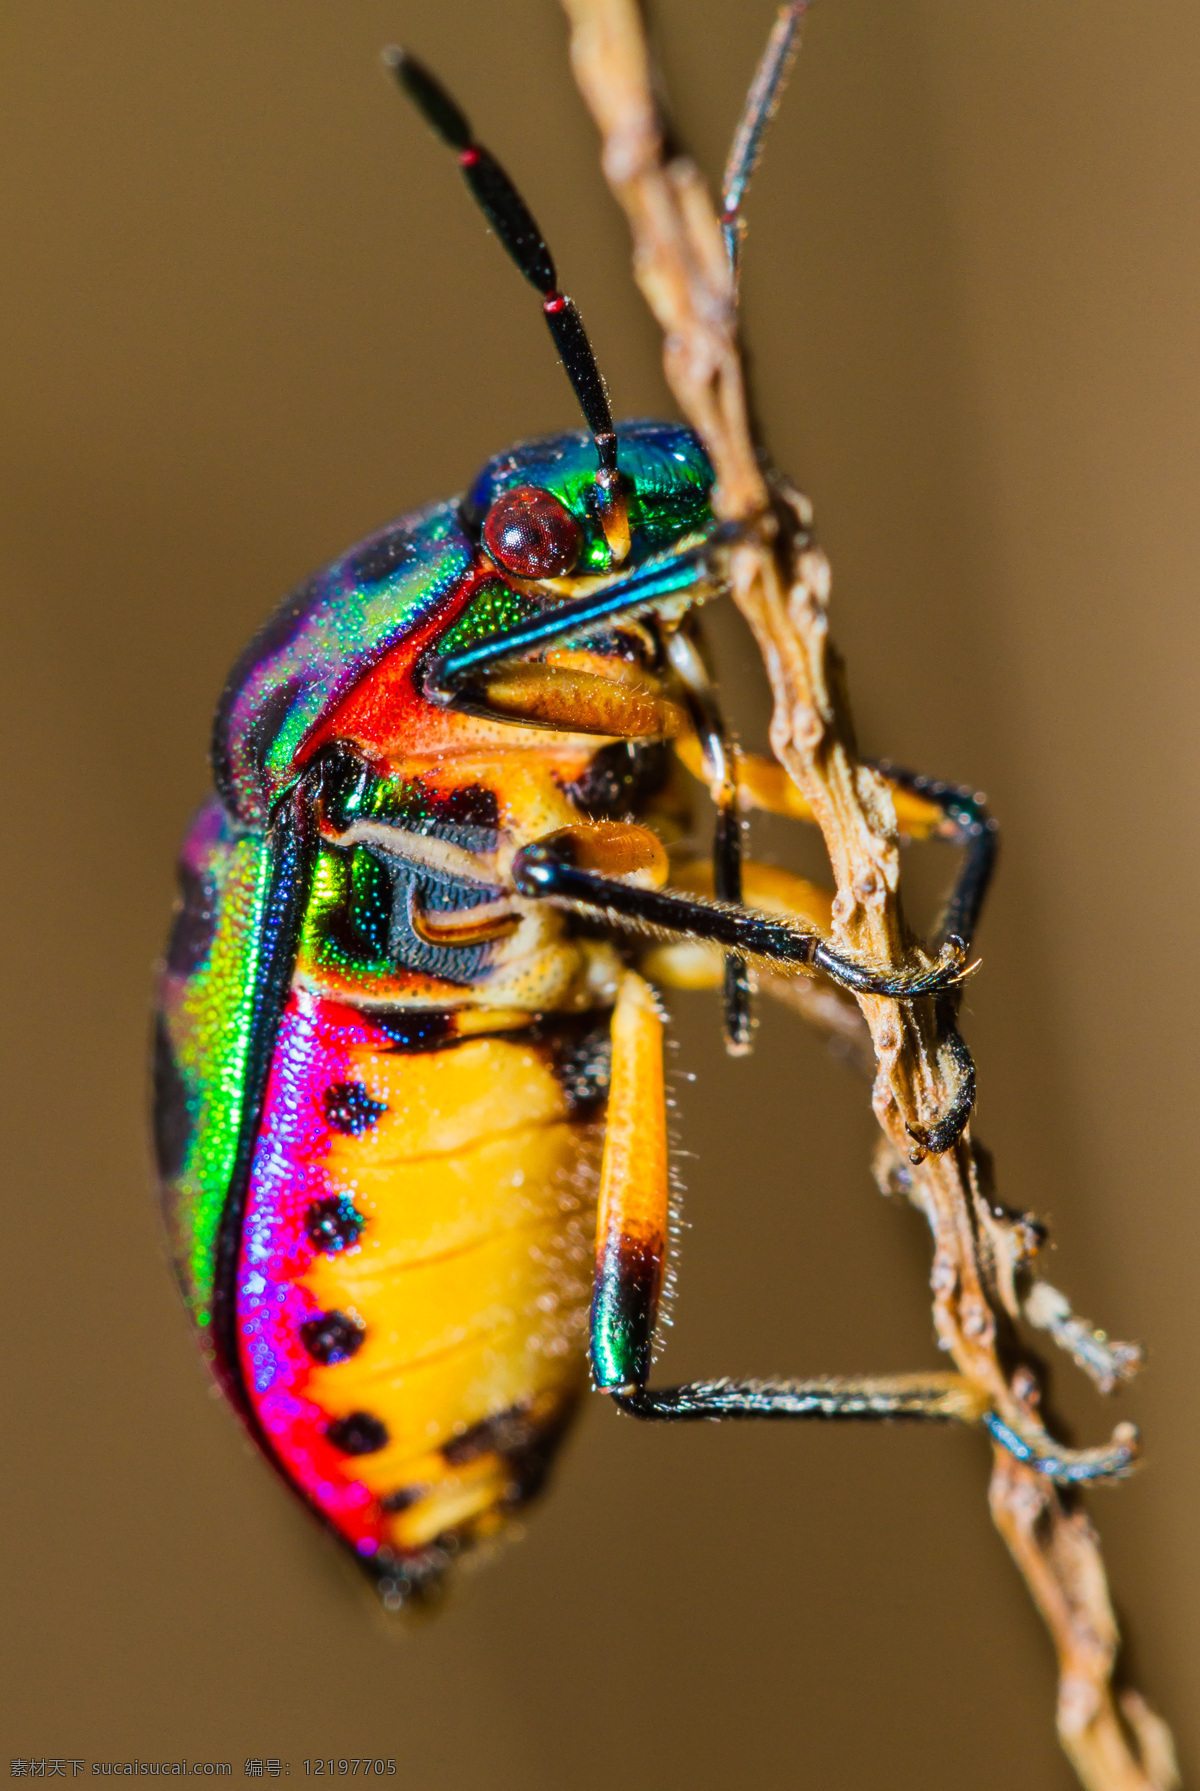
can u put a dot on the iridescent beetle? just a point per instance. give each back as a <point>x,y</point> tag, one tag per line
<point>409,1082</point>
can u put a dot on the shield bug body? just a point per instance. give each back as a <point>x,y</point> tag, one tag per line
<point>410,1113</point>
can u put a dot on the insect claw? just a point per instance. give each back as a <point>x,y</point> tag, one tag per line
<point>1068,1467</point>
<point>901,985</point>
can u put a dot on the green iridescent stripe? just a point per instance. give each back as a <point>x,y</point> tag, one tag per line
<point>212,1036</point>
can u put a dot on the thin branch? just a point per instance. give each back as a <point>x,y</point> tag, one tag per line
<point>781,583</point>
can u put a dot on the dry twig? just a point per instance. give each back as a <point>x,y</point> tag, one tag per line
<point>780,582</point>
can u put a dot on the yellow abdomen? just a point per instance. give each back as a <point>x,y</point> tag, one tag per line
<point>471,1278</point>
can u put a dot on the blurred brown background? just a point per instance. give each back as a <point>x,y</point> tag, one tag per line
<point>249,315</point>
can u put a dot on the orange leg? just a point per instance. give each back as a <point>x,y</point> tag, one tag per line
<point>631,1216</point>
<point>764,784</point>
<point>631,1240</point>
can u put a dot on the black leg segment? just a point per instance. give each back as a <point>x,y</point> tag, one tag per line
<point>721,765</point>
<point>966,824</point>
<point>539,872</point>
<point>943,1397</point>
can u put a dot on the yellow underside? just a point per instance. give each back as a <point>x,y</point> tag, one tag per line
<point>472,1274</point>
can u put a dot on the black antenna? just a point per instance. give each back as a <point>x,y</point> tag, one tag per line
<point>517,229</point>
<point>766,91</point>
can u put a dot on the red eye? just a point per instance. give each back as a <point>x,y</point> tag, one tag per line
<point>528,532</point>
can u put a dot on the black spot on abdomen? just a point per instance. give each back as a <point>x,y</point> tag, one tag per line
<point>350,1109</point>
<point>333,1224</point>
<point>403,1498</point>
<point>507,1431</point>
<point>332,1337</point>
<point>526,1446</point>
<point>358,1434</point>
<point>531,1466</point>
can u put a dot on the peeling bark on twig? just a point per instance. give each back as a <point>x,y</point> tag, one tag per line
<point>781,583</point>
